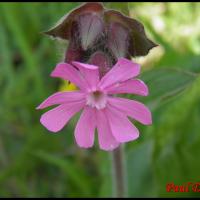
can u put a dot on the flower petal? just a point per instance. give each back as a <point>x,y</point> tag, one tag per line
<point>68,72</point>
<point>122,129</point>
<point>55,119</point>
<point>134,109</point>
<point>123,70</point>
<point>61,98</point>
<point>131,86</point>
<point>90,73</point>
<point>85,128</point>
<point>106,140</point>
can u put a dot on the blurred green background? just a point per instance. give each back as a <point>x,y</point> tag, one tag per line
<point>36,163</point>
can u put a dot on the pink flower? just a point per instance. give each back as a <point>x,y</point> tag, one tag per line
<point>101,110</point>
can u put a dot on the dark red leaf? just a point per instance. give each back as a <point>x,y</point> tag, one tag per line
<point>63,27</point>
<point>139,44</point>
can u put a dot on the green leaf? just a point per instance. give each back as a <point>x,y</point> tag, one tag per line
<point>122,7</point>
<point>10,14</point>
<point>141,180</point>
<point>177,142</point>
<point>165,84</point>
<point>72,171</point>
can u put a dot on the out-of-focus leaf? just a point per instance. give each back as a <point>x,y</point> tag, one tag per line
<point>165,84</point>
<point>106,188</point>
<point>122,7</point>
<point>71,170</point>
<point>14,26</point>
<point>141,179</point>
<point>177,142</point>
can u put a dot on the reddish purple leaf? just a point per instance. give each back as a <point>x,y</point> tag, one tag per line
<point>118,38</point>
<point>90,28</point>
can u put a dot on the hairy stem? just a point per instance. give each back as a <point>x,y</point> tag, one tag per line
<point>119,173</point>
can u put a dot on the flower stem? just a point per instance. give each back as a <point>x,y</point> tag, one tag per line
<point>119,173</point>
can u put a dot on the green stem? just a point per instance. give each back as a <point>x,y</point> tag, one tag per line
<point>118,156</point>
<point>119,173</point>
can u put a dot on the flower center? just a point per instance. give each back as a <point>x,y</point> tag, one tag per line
<point>96,99</point>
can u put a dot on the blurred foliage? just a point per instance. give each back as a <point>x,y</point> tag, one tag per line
<point>35,163</point>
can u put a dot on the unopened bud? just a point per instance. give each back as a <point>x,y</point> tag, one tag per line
<point>101,60</point>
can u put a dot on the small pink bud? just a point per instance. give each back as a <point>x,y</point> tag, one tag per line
<point>101,60</point>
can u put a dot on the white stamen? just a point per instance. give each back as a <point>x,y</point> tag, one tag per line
<point>96,99</point>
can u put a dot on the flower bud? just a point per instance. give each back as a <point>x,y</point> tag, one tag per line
<point>101,36</point>
<point>99,58</point>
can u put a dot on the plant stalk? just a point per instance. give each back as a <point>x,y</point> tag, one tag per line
<point>119,173</point>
